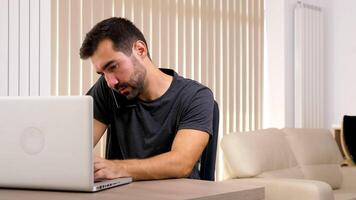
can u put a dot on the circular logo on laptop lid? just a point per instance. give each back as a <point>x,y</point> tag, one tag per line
<point>32,141</point>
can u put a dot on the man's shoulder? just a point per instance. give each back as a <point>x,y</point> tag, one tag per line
<point>186,88</point>
<point>192,91</point>
<point>190,85</point>
<point>180,80</point>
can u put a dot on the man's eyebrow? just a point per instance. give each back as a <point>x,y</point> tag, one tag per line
<point>106,66</point>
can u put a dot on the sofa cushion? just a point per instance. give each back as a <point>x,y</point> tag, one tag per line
<point>344,194</point>
<point>317,154</point>
<point>262,153</point>
<point>292,172</point>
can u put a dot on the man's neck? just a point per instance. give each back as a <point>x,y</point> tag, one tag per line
<point>156,84</point>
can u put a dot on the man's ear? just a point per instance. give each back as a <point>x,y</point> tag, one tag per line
<point>140,48</point>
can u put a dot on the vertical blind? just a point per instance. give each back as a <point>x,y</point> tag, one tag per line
<point>24,47</point>
<point>216,42</point>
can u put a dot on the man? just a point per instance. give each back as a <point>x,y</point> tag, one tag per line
<point>160,122</point>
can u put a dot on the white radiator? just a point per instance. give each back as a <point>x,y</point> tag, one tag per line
<point>25,47</point>
<point>309,66</point>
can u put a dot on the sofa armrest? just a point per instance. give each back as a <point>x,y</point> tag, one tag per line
<point>291,189</point>
<point>348,178</point>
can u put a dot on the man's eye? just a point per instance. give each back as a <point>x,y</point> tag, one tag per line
<point>112,67</point>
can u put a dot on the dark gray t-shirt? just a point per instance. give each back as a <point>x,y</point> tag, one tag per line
<point>142,129</point>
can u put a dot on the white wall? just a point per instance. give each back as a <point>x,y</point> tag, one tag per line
<point>274,84</point>
<point>279,76</point>
<point>279,72</point>
<point>340,61</point>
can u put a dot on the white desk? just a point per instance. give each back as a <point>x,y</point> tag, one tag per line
<point>146,190</point>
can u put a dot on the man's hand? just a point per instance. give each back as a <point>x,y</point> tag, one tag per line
<point>108,169</point>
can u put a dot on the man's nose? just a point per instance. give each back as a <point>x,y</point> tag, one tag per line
<point>111,80</point>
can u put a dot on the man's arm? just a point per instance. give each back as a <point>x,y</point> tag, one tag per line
<point>99,130</point>
<point>187,148</point>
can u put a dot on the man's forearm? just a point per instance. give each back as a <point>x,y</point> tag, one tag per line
<point>167,165</point>
<point>98,131</point>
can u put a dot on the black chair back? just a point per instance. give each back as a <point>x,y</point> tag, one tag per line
<point>349,130</point>
<point>208,158</point>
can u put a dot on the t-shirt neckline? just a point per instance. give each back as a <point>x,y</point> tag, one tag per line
<point>169,72</point>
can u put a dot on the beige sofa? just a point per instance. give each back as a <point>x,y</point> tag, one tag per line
<point>298,164</point>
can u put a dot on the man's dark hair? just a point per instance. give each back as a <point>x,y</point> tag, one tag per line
<point>122,32</point>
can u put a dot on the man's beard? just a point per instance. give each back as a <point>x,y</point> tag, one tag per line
<point>136,82</point>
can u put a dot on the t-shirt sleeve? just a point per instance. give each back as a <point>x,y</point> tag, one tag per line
<point>100,92</point>
<point>198,113</point>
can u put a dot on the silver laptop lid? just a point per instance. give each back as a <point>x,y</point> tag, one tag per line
<point>46,142</point>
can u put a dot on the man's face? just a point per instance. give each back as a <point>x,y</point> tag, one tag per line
<point>124,74</point>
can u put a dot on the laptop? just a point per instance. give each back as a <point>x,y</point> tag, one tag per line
<point>47,143</point>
